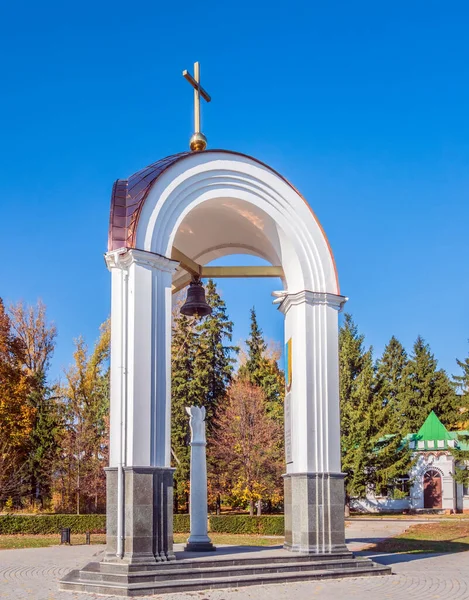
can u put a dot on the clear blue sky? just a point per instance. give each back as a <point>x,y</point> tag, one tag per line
<point>362,105</point>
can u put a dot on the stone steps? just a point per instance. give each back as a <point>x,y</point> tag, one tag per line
<point>187,575</point>
<point>219,571</point>
<point>219,561</point>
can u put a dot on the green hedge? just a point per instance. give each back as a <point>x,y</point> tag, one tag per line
<point>181,524</point>
<point>265,525</point>
<point>44,524</point>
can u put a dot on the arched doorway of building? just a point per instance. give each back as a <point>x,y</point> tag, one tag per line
<point>432,489</point>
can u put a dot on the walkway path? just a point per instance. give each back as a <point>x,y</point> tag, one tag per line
<point>362,533</point>
<point>33,573</point>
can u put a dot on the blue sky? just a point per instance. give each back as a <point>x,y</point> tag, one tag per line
<point>362,105</point>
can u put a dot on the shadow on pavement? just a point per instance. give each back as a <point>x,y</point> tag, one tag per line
<point>391,559</point>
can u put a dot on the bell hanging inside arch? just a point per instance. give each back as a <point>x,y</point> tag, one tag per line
<point>195,304</point>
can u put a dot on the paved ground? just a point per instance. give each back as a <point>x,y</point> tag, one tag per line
<point>361,533</point>
<point>33,574</point>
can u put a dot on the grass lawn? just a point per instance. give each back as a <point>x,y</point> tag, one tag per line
<point>236,539</point>
<point>442,536</point>
<point>41,541</point>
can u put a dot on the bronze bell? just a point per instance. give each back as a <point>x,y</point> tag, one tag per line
<point>195,304</point>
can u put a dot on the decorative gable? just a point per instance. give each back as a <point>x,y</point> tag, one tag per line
<point>433,434</point>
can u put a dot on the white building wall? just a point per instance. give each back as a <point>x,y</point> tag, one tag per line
<point>453,497</point>
<point>377,504</point>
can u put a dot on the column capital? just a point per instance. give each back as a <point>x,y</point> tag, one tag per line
<point>286,300</point>
<point>125,257</point>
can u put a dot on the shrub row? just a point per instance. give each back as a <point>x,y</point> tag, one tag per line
<point>181,524</point>
<point>46,524</point>
<point>265,525</point>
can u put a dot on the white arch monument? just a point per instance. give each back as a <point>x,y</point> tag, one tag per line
<point>185,211</point>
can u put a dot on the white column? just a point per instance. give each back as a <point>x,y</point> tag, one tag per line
<point>311,322</point>
<point>139,478</point>
<point>198,539</point>
<point>140,357</point>
<point>314,489</point>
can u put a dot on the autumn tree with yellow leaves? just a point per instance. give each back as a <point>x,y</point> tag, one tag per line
<point>26,345</point>
<point>84,439</point>
<point>248,445</point>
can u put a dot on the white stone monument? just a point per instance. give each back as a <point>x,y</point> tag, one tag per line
<point>168,222</point>
<point>181,213</point>
<point>198,540</point>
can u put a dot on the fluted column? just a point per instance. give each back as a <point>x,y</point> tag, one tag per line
<point>139,490</point>
<point>314,487</point>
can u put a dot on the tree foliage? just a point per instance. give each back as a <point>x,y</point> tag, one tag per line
<point>425,388</point>
<point>54,436</point>
<point>460,453</point>
<point>26,345</point>
<point>390,371</point>
<point>247,443</point>
<point>202,363</point>
<point>461,386</point>
<point>260,367</point>
<point>373,455</point>
<point>84,438</point>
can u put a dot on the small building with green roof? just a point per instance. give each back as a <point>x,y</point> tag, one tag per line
<point>430,485</point>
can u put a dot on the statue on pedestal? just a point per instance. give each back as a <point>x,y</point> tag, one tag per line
<point>198,540</point>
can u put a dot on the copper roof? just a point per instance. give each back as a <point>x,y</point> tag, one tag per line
<point>127,199</point>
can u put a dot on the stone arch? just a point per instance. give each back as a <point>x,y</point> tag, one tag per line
<point>432,467</point>
<point>300,244</point>
<point>254,210</point>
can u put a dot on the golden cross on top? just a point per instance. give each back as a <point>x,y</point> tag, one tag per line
<point>198,140</point>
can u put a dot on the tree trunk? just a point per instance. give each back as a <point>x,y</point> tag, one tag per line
<point>251,508</point>
<point>218,504</point>
<point>259,508</point>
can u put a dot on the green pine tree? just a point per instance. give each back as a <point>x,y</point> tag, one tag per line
<point>183,348</point>
<point>460,453</point>
<point>426,388</point>
<point>202,367</point>
<point>252,368</point>
<point>261,368</point>
<point>390,371</point>
<point>461,385</point>
<point>214,358</point>
<point>461,457</point>
<point>357,411</point>
<point>351,362</point>
<point>43,449</point>
<point>373,454</point>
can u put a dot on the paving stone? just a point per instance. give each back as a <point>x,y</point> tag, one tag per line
<point>34,574</point>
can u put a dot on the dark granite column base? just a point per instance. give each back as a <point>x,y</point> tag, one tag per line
<point>199,547</point>
<point>314,513</point>
<point>148,516</point>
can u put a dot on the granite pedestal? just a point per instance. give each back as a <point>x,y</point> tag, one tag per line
<point>314,513</point>
<point>148,515</point>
